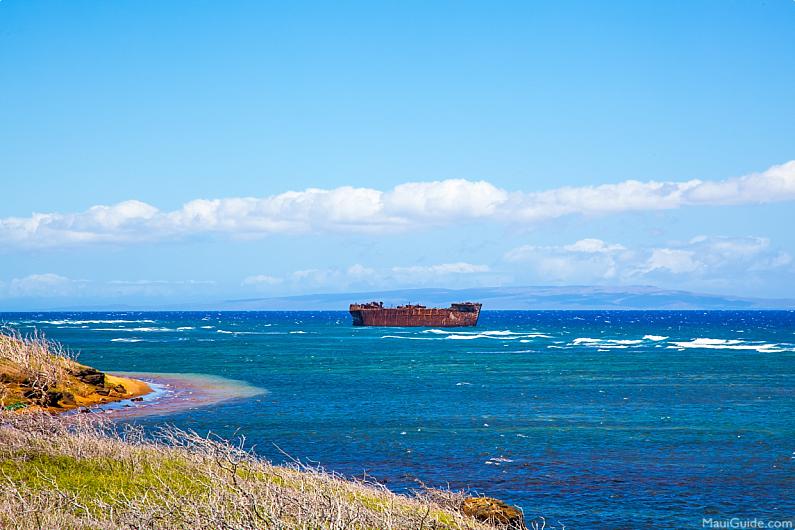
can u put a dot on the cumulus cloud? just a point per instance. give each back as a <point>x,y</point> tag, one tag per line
<point>38,285</point>
<point>672,260</point>
<point>442,268</point>
<point>584,260</point>
<point>594,260</point>
<point>262,280</point>
<point>591,245</point>
<point>358,276</point>
<point>366,210</point>
<point>52,285</point>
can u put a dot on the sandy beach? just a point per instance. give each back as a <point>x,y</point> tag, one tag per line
<point>167,393</point>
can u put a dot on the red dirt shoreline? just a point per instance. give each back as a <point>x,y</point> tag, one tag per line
<point>171,393</point>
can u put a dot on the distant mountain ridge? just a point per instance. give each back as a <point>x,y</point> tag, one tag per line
<point>528,298</point>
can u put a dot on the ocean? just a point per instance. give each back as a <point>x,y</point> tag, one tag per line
<point>592,419</point>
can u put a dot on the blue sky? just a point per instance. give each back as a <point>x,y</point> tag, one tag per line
<point>453,144</point>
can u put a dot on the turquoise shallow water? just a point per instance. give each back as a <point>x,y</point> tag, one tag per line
<point>595,419</point>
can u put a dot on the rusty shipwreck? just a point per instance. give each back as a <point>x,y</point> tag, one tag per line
<point>375,314</point>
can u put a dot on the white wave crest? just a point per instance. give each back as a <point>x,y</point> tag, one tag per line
<point>405,337</point>
<point>605,343</point>
<point>227,332</point>
<point>727,344</point>
<point>140,330</point>
<point>79,322</point>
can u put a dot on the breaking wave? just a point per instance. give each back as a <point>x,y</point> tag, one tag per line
<point>605,343</point>
<point>728,344</point>
<point>615,343</point>
<point>78,322</point>
<point>441,334</point>
<point>139,330</point>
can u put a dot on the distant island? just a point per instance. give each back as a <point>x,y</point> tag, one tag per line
<point>526,298</point>
<point>517,298</point>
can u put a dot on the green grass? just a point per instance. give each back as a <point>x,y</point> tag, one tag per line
<point>99,479</point>
<point>80,472</point>
<point>76,473</point>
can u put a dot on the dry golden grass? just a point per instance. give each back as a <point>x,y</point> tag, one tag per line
<point>41,364</point>
<point>80,472</point>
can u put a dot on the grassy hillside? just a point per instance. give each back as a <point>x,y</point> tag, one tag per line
<point>82,472</point>
<point>77,472</point>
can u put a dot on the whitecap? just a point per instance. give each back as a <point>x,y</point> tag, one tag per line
<point>473,335</point>
<point>437,331</point>
<point>605,343</point>
<point>404,337</point>
<point>120,339</point>
<point>141,330</point>
<point>503,333</point>
<point>727,344</point>
<point>227,332</point>
<point>655,338</point>
<point>79,322</point>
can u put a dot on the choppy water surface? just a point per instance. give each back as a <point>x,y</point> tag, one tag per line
<point>596,419</point>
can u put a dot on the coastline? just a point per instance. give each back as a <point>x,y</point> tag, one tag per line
<point>168,393</point>
<point>133,389</point>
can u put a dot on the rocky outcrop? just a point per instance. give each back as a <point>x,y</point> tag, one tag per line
<point>493,511</point>
<point>90,376</point>
<point>35,374</point>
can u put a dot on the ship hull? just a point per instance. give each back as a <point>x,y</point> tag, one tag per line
<point>414,317</point>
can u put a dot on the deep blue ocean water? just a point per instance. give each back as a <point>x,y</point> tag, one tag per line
<point>597,419</point>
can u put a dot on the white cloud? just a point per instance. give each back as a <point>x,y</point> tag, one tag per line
<point>442,268</point>
<point>445,200</point>
<point>672,260</point>
<point>591,245</point>
<point>358,276</point>
<point>365,210</point>
<point>47,284</point>
<point>706,258</point>
<point>52,285</point>
<point>161,282</point>
<point>360,271</point>
<point>262,280</point>
<point>584,260</point>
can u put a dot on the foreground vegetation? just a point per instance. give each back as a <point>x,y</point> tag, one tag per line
<point>81,472</point>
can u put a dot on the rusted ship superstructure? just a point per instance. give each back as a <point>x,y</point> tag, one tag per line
<point>375,314</point>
